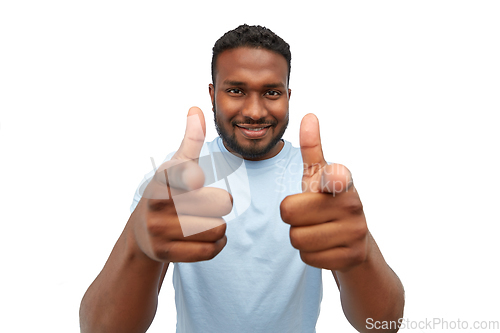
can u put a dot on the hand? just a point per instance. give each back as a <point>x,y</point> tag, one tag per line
<point>179,220</point>
<point>327,222</point>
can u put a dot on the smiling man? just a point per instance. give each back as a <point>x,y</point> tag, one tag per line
<point>262,271</point>
<point>252,98</point>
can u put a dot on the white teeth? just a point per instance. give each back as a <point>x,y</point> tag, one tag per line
<point>253,129</point>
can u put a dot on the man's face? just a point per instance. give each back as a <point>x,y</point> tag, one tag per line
<point>250,101</point>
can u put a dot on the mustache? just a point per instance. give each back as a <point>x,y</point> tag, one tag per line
<point>250,121</point>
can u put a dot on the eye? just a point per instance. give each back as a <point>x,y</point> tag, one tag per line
<point>234,91</point>
<point>273,93</point>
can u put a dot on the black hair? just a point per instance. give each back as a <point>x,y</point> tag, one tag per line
<point>254,36</point>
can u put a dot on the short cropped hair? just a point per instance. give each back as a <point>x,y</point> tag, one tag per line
<point>254,36</point>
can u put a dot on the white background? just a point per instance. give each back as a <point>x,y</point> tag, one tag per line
<point>407,94</point>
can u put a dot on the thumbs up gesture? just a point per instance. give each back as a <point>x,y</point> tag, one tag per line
<point>177,219</point>
<point>327,223</point>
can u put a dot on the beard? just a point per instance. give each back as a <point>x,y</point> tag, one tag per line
<point>253,151</point>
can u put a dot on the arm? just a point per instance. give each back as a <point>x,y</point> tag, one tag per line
<point>328,227</point>
<point>370,290</point>
<point>123,298</point>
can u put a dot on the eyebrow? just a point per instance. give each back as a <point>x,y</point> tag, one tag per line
<point>243,84</point>
<point>274,85</point>
<point>234,83</point>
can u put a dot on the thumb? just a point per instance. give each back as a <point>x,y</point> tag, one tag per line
<point>194,136</point>
<point>310,144</point>
<point>183,171</point>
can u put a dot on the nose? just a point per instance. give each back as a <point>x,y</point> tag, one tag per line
<point>254,107</point>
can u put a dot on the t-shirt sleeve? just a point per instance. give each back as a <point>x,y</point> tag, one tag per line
<point>143,184</point>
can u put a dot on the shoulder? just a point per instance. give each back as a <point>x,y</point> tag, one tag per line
<point>291,151</point>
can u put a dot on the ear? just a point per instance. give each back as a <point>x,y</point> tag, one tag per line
<point>211,91</point>
<point>289,93</point>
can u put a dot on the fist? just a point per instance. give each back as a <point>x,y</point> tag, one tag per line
<point>177,219</point>
<point>327,222</point>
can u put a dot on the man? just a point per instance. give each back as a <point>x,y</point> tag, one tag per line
<point>260,272</point>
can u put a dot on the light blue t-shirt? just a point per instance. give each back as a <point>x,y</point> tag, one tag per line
<point>257,283</point>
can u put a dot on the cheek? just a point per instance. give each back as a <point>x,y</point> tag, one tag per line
<point>227,108</point>
<point>278,109</point>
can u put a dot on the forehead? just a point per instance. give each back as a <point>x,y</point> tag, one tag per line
<point>247,64</point>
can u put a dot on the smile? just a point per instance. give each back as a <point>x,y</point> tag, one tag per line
<point>254,131</point>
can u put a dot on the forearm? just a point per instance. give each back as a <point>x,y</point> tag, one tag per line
<point>123,298</point>
<point>371,290</point>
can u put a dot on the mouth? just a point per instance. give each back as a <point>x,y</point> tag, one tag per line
<point>254,131</point>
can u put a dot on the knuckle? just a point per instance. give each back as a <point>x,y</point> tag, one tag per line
<point>295,238</point>
<point>217,200</point>
<point>354,256</point>
<point>354,207</point>
<point>357,256</point>
<point>307,258</point>
<point>159,251</point>
<point>155,205</point>
<point>217,232</point>
<point>360,231</point>
<point>207,251</point>
<point>286,210</point>
<point>226,206</point>
<point>155,226</point>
